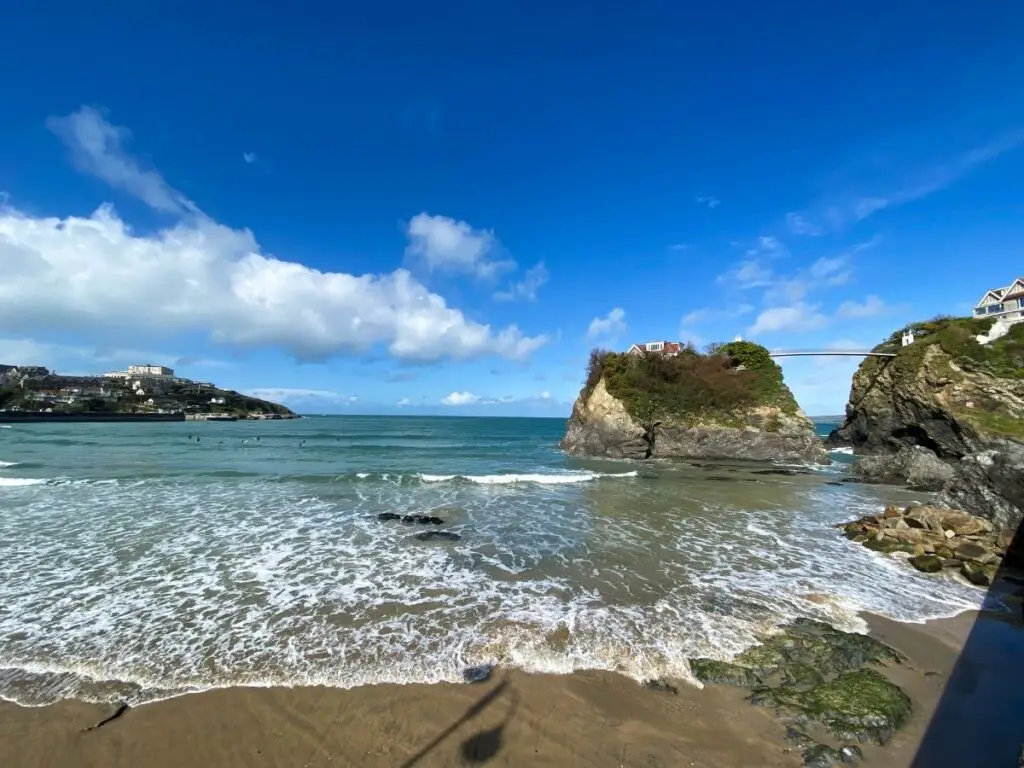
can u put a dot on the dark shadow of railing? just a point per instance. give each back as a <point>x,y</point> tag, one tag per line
<point>979,720</point>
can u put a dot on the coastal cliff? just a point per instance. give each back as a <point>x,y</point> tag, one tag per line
<point>949,410</point>
<point>729,404</point>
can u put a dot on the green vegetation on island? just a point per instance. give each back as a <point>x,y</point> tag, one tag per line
<point>690,386</point>
<point>962,357</point>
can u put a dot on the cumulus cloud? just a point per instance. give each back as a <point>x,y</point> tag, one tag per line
<point>710,202</point>
<point>404,402</point>
<point>872,306</point>
<point>444,244</point>
<point>526,289</point>
<point>460,398</point>
<point>612,325</point>
<point>798,317</point>
<point>249,157</point>
<point>198,276</point>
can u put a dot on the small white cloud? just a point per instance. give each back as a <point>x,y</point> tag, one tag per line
<point>249,157</point>
<point>612,325</point>
<point>698,316</point>
<point>460,398</point>
<point>444,244</point>
<point>750,273</point>
<point>353,398</point>
<point>533,279</point>
<point>710,202</point>
<point>679,247</point>
<point>799,317</point>
<point>404,402</point>
<point>799,225</point>
<point>872,306</point>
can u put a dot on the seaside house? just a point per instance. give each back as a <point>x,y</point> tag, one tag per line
<point>668,348</point>
<point>1006,305</point>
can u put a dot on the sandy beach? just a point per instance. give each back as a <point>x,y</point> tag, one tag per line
<point>513,719</point>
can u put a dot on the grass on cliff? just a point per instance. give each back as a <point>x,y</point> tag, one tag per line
<point>1003,357</point>
<point>717,385</point>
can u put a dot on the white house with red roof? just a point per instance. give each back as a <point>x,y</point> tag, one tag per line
<point>669,348</point>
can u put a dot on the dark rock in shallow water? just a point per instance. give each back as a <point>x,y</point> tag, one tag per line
<point>478,674</point>
<point>927,563</point>
<point>418,519</point>
<point>437,536</point>
<point>709,671</point>
<point>781,472</point>
<point>423,519</point>
<point>662,686</point>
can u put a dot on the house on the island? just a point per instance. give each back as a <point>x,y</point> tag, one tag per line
<point>1006,305</point>
<point>667,348</point>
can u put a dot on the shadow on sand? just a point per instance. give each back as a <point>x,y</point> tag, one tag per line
<point>979,720</point>
<point>484,745</point>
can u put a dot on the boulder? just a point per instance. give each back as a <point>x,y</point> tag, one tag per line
<point>980,575</point>
<point>969,550</point>
<point>927,563</point>
<point>990,484</point>
<point>915,466</point>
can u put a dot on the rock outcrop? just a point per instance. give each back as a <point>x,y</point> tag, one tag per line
<point>913,465</point>
<point>937,539</point>
<point>763,425</point>
<point>957,399</point>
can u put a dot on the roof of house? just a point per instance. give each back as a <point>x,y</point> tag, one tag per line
<point>1012,291</point>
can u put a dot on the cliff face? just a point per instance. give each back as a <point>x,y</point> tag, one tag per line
<point>944,392</point>
<point>955,397</point>
<point>639,422</point>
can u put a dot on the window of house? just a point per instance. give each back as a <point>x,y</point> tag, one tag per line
<point>993,308</point>
<point>654,346</point>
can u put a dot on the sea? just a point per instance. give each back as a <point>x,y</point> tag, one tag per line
<point>144,561</point>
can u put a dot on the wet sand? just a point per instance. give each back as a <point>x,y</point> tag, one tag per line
<point>513,719</point>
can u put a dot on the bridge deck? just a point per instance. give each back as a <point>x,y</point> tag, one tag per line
<point>831,353</point>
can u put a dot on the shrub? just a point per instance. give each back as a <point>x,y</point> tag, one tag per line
<point>690,384</point>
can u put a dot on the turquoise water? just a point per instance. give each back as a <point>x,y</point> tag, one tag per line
<point>139,561</point>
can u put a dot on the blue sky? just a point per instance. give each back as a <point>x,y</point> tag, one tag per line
<point>441,208</point>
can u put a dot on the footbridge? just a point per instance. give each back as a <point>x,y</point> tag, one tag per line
<point>830,353</point>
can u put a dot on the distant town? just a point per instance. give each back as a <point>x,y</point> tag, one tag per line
<point>140,389</point>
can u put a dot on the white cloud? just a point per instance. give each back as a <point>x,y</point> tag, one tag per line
<point>831,271</point>
<point>96,148</point>
<point>404,402</point>
<point>59,357</point>
<point>612,325</point>
<point>710,202</point>
<point>799,225</point>
<point>799,317</point>
<point>468,398</point>
<point>533,279</point>
<point>88,275</point>
<point>444,244</point>
<point>698,316</point>
<point>679,247</point>
<point>460,398</point>
<point>249,157</point>
<point>750,273</point>
<point>288,394</point>
<point>872,306</point>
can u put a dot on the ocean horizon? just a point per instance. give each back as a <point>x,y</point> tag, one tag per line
<point>142,561</point>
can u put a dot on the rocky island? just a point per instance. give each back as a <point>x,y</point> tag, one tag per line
<point>143,392</point>
<point>945,414</point>
<point>728,403</point>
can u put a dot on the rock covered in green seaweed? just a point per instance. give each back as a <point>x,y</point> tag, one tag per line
<point>810,672</point>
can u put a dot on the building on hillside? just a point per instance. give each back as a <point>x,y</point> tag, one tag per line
<point>147,370</point>
<point>1006,305</point>
<point>667,348</point>
<point>1002,302</point>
